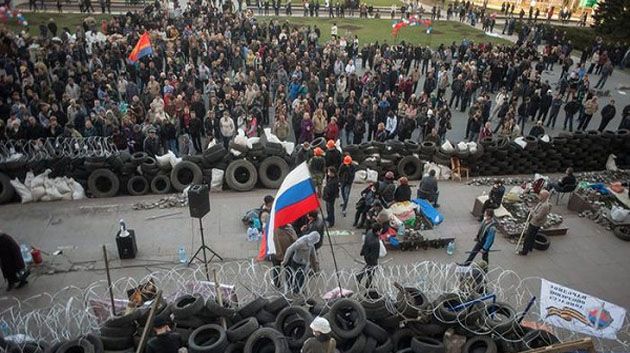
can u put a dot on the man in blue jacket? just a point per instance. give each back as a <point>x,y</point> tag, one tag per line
<point>484,238</point>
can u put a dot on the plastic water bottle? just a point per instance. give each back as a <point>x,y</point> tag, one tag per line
<point>450,248</point>
<point>183,258</point>
<point>4,328</point>
<point>26,253</point>
<point>123,228</point>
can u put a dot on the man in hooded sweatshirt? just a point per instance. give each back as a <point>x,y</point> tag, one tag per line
<point>299,258</point>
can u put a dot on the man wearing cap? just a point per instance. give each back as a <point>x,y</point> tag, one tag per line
<point>322,342</point>
<point>317,165</point>
<point>164,341</point>
<point>346,178</point>
<point>333,155</point>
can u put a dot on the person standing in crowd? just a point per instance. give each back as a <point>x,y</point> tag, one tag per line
<point>608,114</point>
<point>484,238</point>
<point>370,252</point>
<point>572,107</point>
<point>333,155</point>
<point>330,194</point>
<point>538,217</point>
<point>317,166</point>
<point>590,108</point>
<point>284,237</point>
<point>322,342</point>
<point>300,258</point>
<point>165,340</point>
<point>368,197</point>
<point>346,178</point>
<point>11,262</point>
<point>227,128</point>
<point>151,144</point>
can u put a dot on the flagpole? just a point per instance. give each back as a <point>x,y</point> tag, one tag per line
<point>332,251</point>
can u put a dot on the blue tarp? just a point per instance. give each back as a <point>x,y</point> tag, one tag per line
<point>429,211</point>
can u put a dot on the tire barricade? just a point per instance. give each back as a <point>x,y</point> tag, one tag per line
<point>105,172</point>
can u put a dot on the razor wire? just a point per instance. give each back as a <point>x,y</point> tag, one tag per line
<point>74,311</point>
<point>30,151</point>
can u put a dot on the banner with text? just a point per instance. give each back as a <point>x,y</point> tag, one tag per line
<point>573,310</point>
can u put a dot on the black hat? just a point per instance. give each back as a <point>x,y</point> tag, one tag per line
<point>159,321</point>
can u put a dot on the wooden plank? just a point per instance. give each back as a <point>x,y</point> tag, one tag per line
<point>585,344</point>
<point>148,326</point>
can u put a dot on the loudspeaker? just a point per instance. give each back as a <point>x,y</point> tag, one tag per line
<point>198,201</point>
<point>127,247</point>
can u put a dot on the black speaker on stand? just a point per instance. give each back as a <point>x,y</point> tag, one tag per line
<point>199,206</point>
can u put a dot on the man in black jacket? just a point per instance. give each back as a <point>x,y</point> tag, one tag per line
<point>164,340</point>
<point>608,114</point>
<point>428,188</point>
<point>570,109</point>
<point>495,198</point>
<point>330,194</point>
<point>333,155</point>
<point>346,178</point>
<point>151,144</point>
<point>370,252</point>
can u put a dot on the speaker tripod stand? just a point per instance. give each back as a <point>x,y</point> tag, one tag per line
<point>202,250</point>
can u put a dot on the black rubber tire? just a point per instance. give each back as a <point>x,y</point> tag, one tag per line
<point>289,319</point>
<point>359,319</point>
<point>272,172</point>
<point>263,337</point>
<point>410,167</point>
<point>185,173</point>
<point>241,175</point>
<point>263,316</point>
<point>213,334</point>
<point>81,345</point>
<point>187,306</point>
<point>319,142</point>
<point>51,349</point>
<point>426,345</point>
<point>541,242</point>
<point>213,309</point>
<point>622,232</point>
<point>251,308</point>
<point>139,157</point>
<point>6,189</point>
<point>384,347</point>
<point>215,153</point>
<point>242,329</point>
<point>150,166</point>
<point>443,304</point>
<point>191,322</point>
<point>504,322</point>
<point>375,331</point>
<point>117,331</point>
<point>161,184</point>
<point>123,321</point>
<point>480,344</point>
<point>275,305</point>
<point>137,185</point>
<point>96,342</point>
<point>538,339</point>
<point>235,347</point>
<point>402,339</point>
<point>103,183</point>
<point>114,343</point>
<point>411,302</point>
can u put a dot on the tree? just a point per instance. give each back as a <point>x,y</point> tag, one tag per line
<point>612,17</point>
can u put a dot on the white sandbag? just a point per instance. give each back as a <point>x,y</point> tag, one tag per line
<point>611,165</point>
<point>619,214</point>
<point>25,194</point>
<point>288,146</point>
<point>251,141</point>
<point>78,192</point>
<point>360,177</point>
<point>174,160</point>
<point>216,183</point>
<point>235,153</point>
<point>52,194</point>
<point>447,147</point>
<point>39,179</point>
<point>372,176</point>
<point>431,166</point>
<point>240,139</point>
<point>62,186</point>
<point>520,141</point>
<point>212,143</point>
<point>165,160</point>
<point>270,136</point>
<point>29,179</point>
<point>38,192</point>
<point>472,144</point>
<point>545,139</point>
<point>445,172</point>
<point>462,146</point>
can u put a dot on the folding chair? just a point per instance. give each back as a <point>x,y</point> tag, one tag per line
<point>457,169</point>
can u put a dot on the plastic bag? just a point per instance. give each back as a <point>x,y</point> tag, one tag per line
<point>165,159</point>
<point>462,146</point>
<point>382,252</point>
<point>77,190</point>
<point>240,139</point>
<point>619,214</point>
<point>216,183</point>
<point>520,141</point>
<point>372,176</point>
<point>611,165</point>
<point>360,176</point>
<point>545,139</point>
<point>25,194</point>
<point>289,147</point>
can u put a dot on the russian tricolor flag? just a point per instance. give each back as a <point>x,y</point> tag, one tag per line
<point>295,198</point>
<point>142,48</point>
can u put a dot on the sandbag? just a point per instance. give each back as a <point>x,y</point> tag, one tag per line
<point>37,193</point>
<point>23,191</point>
<point>216,183</point>
<point>445,172</point>
<point>360,176</point>
<point>545,139</point>
<point>619,214</point>
<point>29,179</point>
<point>240,139</point>
<point>611,165</point>
<point>462,146</point>
<point>432,166</point>
<point>447,147</point>
<point>164,160</point>
<point>77,190</point>
<point>288,146</point>
<point>52,194</point>
<point>521,142</point>
<point>251,141</point>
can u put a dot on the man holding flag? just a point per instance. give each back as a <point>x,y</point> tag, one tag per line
<point>142,48</point>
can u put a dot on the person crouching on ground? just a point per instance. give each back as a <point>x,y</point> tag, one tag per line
<point>164,341</point>
<point>322,342</point>
<point>428,188</point>
<point>330,194</point>
<point>299,258</point>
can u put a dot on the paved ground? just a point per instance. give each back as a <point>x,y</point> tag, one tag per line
<point>588,258</point>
